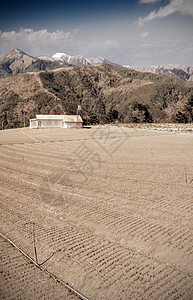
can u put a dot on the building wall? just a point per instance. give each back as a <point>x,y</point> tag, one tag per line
<point>33,124</point>
<point>79,125</point>
<point>72,125</point>
<point>50,123</point>
<point>54,124</point>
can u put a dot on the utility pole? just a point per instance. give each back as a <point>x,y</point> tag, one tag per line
<point>78,109</point>
<point>34,243</point>
<point>24,118</point>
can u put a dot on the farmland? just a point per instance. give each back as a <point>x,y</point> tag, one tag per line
<point>110,209</point>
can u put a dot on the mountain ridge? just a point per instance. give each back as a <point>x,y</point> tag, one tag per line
<point>182,71</point>
<point>79,60</point>
<point>105,93</point>
<point>16,61</point>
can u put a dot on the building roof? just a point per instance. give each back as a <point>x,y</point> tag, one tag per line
<point>65,118</point>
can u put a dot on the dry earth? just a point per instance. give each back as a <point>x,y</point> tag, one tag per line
<point>112,208</point>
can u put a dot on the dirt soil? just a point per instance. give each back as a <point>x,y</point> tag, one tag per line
<point>112,208</point>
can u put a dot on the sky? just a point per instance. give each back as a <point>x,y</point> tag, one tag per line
<point>136,32</point>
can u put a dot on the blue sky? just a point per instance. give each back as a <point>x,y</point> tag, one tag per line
<point>137,32</point>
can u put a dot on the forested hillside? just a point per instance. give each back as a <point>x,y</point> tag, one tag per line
<point>105,93</point>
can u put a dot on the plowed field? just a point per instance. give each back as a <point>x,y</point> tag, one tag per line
<point>112,209</point>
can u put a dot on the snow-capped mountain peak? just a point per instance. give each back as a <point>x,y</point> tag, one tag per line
<point>63,57</point>
<point>79,60</point>
<point>76,60</point>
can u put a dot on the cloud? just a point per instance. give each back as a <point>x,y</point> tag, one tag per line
<point>43,42</point>
<point>35,41</point>
<point>30,35</point>
<point>100,43</point>
<point>161,52</point>
<point>144,34</point>
<point>184,7</point>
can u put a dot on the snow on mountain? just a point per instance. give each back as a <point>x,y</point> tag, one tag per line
<point>100,60</point>
<point>78,60</point>
<point>61,57</point>
<point>95,61</point>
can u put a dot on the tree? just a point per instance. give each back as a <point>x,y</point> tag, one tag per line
<point>188,109</point>
<point>186,114</point>
<point>112,115</point>
<point>141,113</point>
<point>179,117</point>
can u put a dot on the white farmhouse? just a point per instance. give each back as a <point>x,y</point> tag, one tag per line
<point>56,121</point>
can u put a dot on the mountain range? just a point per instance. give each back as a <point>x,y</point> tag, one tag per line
<point>80,60</point>
<point>183,72</point>
<point>17,61</point>
<point>105,93</point>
